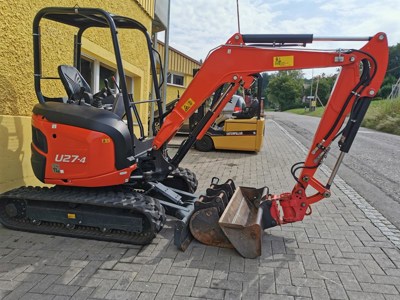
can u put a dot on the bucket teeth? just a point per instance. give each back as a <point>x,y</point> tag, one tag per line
<point>207,211</point>
<point>228,187</point>
<point>219,202</point>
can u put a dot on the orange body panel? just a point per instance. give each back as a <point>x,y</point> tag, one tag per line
<point>79,157</point>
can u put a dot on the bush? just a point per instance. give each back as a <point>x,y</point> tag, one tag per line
<point>384,116</point>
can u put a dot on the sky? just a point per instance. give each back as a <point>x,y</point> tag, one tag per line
<point>197,26</point>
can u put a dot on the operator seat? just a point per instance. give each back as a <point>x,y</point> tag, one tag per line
<point>73,82</point>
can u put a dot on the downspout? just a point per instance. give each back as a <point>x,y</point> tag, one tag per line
<point>166,58</point>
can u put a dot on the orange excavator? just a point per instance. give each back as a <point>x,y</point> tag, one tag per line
<point>110,184</point>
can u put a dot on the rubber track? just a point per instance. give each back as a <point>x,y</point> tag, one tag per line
<point>186,175</point>
<point>117,197</point>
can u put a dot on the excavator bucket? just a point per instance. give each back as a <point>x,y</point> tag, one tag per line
<point>207,211</point>
<point>245,219</point>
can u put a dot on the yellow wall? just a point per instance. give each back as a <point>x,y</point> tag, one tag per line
<point>16,79</point>
<point>181,64</point>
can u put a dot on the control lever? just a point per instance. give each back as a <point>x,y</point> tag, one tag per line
<point>115,82</point>
<point>81,93</point>
<point>108,90</point>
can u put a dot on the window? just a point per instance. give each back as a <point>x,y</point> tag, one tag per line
<point>95,72</point>
<point>87,70</point>
<point>106,73</point>
<point>175,79</point>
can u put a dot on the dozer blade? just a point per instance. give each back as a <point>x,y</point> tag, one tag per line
<point>245,219</point>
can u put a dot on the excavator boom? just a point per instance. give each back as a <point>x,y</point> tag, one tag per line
<point>234,65</point>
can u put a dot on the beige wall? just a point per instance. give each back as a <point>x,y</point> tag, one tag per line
<point>16,79</point>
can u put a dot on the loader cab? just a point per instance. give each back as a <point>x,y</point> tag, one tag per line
<point>86,119</point>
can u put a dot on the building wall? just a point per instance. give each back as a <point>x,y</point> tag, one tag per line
<point>16,79</point>
<point>178,63</point>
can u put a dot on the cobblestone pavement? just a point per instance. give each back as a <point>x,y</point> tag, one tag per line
<point>344,250</point>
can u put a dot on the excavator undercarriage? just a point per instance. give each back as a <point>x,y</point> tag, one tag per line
<point>113,185</point>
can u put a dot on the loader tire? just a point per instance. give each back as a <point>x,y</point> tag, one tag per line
<point>182,179</point>
<point>205,144</point>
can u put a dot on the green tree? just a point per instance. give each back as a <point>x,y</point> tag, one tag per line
<point>394,61</point>
<point>386,87</point>
<point>325,85</point>
<point>285,89</point>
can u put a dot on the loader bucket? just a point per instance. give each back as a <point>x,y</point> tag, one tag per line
<point>245,219</point>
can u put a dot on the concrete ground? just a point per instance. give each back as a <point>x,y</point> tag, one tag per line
<point>344,250</point>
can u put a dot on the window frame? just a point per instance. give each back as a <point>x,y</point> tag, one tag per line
<point>95,75</point>
<point>172,74</point>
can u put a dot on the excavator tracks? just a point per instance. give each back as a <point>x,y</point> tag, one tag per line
<point>117,214</point>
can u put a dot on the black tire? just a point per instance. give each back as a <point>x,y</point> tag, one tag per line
<point>182,179</point>
<point>205,144</point>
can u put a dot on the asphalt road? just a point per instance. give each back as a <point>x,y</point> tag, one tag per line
<point>372,167</point>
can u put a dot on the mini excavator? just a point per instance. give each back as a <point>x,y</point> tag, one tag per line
<point>110,184</point>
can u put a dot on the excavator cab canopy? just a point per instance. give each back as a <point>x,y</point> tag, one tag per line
<point>83,19</point>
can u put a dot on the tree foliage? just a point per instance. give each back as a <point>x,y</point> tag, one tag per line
<point>394,61</point>
<point>285,89</point>
<point>325,85</point>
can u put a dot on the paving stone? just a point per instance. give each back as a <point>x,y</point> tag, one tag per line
<point>226,284</point>
<point>83,293</point>
<point>147,296</point>
<point>61,289</point>
<point>296,269</point>
<point>44,284</point>
<point>166,291</point>
<point>204,278</point>
<point>185,286</point>
<point>122,295</point>
<point>7,285</point>
<point>165,278</point>
<point>308,282</point>
<point>127,267</point>
<point>336,291</point>
<point>147,287</point>
<point>33,296</point>
<point>282,276</point>
<point>364,296</point>
<point>108,274</point>
<point>293,290</point>
<point>102,290</point>
<point>319,293</point>
<point>124,281</point>
<point>183,271</point>
<point>275,297</point>
<point>382,288</point>
<point>207,293</point>
<point>145,273</point>
<point>19,291</point>
<point>164,266</point>
<point>349,281</point>
<point>235,295</point>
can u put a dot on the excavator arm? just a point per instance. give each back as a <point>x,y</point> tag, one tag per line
<point>235,64</point>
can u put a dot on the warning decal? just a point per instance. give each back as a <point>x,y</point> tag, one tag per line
<point>188,105</point>
<point>283,61</point>
<point>71,216</point>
